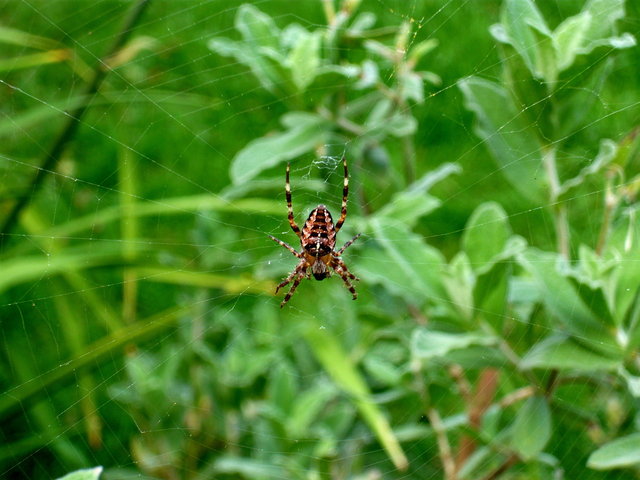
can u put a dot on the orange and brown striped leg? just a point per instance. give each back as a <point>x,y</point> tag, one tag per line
<point>346,245</point>
<point>337,263</point>
<point>299,275</point>
<point>345,274</point>
<point>287,191</point>
<point>286,245</point>
<point>299,270</point>
<point>345,194</point>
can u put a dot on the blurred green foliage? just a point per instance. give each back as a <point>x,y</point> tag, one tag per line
<point>494,163</point>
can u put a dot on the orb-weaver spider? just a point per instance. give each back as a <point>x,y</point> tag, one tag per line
<point>318,240</point>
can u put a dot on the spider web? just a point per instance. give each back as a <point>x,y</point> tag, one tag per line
<point>139,229</point>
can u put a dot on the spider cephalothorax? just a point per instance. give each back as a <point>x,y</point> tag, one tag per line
<point>318,241</point>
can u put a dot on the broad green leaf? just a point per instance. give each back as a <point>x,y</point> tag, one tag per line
<point>459,281</point>
<point>563,301</point>
<point>304,60</point>
<point>258,29</point>
<point>85,474</point>
<point>400,125</point>
<point>429,344</point>
<point>382,370</point>
<point>485,235</point>
<point>403,263</point>
<point>619,453</point>
<point>252,58</point>
<point>340,367</point>
<point>259,32</point>
<point>604,14</point>
<point>569,37</point>
<point>531,428</point>
<point>606,154</point>
<point>528,33</point>
<point>412,87</point>
<point>561,352</point>
<point>409,205</point>
<point>420,49</point>
<point>508,135</point>
<point>307,132</point>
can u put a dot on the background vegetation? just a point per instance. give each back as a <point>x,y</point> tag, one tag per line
<point>493,152</point>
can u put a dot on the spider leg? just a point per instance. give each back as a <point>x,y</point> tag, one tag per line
<point>345,194</point>
<point>347,245</point>
<point>286,245</point>
<point>299,270</point>
<point>339,266</point>
<point>342,270</point>
<point>296,282</point>
<point>287,191</point>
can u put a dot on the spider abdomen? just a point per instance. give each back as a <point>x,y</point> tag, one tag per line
<point>318,234</point>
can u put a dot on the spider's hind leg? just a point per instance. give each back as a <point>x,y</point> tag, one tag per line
<point>342,270</point>
<point>299,275</point>
<point>300,271</point>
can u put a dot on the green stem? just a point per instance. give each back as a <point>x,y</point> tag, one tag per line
<point>559,208</point>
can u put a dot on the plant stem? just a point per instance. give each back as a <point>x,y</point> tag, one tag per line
<point>610,203</point>
<point>560,209</point>
<point>73,118</point>
<point>443,444</point>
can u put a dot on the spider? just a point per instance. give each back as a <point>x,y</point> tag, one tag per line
<point>318,240</point>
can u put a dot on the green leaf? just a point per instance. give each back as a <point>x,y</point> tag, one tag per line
<point>563,301</point>
<point>85,474</point>
<point>429,344</point>
<point>528,33</point>
<point>307,407</point>
<point>304,60</point>
<point>259,33</point>
<point>569,38</point>
<point>337,363</point>
<point>561,352</point>
<point>243,53</point>
<point>403,263</point>
<point>307,131</point>
<point>619,453</point>
<point>243,467</point>
<point>409,205</point>
<point>485,235</point>
<point>283,387</point>
<point>531,428</point>
<point>604,14</point>
<point>508,135</point>
<point>257,28</point>
<point>459,281</point>
<point>606,154</point>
